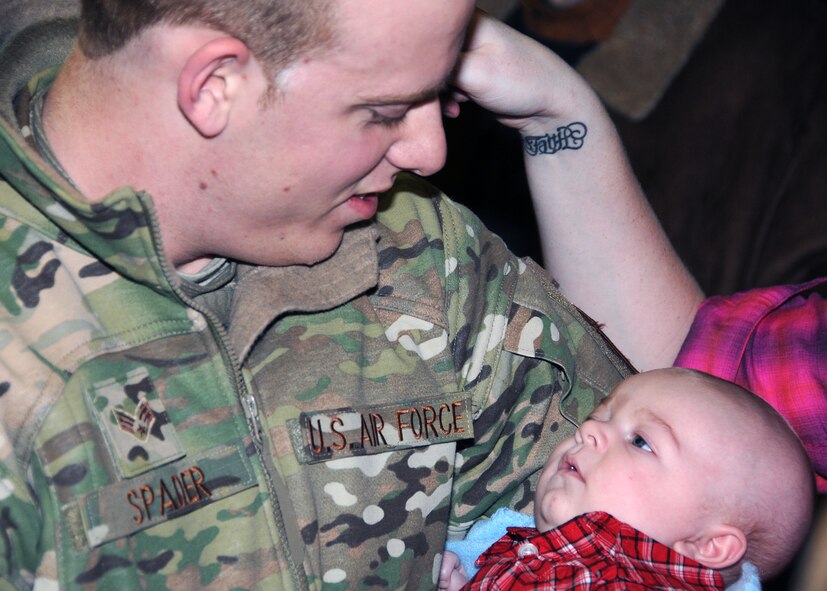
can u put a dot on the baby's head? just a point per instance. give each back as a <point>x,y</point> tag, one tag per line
<point>697,463</point>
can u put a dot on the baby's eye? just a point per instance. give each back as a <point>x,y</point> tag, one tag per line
<point>640,442</point>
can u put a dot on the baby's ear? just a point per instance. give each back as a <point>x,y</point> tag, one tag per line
<point>717,547</point>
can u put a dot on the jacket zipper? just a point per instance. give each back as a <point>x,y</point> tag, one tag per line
<point>246,398</point>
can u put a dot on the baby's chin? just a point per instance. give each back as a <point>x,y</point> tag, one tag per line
<point>555,517</point>
<point>548,521</point>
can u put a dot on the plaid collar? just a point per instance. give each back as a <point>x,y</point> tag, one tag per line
<point>591,548</point>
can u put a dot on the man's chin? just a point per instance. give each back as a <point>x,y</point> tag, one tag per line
<point>322,254</point>
<point>311,252</point>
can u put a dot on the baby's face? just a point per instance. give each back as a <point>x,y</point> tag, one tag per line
<point>649,455</point>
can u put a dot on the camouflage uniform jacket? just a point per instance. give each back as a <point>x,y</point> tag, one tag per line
<point>322,431</point>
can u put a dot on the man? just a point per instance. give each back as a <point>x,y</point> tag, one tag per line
<point>226,362</point>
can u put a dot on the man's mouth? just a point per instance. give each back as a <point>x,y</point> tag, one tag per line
<point>364,205</point>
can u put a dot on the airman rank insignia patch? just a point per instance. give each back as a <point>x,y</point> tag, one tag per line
<point>138,423</point>
<point>344,432</point>
<point>134,423</point>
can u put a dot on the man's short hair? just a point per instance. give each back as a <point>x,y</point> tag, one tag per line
<point>276,31</point>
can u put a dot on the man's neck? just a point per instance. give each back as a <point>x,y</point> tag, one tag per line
<point>106,126</point>
<point>85,131</point>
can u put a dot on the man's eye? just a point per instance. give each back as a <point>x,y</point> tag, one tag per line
<point>390,121</point>
<point>641,443</point>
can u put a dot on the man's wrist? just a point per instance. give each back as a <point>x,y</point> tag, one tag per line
<point>570,136</point>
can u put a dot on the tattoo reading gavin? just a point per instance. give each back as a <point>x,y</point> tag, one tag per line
<point>569,137</point>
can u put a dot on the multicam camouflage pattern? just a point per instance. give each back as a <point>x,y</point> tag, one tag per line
<point>325,438</point>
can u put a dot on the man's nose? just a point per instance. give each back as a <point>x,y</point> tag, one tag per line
<point>421,147</point>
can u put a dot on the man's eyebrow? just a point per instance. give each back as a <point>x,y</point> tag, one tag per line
<point>648,415</point>
<point>425,94</point>
<point>417,97</point>
<point>406,99</point>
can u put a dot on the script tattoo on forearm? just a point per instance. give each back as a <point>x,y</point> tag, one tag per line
<point>569,137</point>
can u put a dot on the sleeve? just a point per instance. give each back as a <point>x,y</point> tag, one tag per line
<point>533,364</point>
<point>19,520</point>
<point>772,341</point>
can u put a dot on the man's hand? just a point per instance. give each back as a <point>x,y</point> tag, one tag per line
<point>521,81</point>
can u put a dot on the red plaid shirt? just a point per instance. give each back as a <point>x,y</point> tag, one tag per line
<point>592,551</point>
<point>772,341</point>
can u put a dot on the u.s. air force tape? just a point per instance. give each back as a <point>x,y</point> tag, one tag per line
<point>344,432</point>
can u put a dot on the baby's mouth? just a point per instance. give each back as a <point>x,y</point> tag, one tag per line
<point>569,466</point>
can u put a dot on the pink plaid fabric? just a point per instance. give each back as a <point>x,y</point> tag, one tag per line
<point>772,341</point>
<point>590,552</point>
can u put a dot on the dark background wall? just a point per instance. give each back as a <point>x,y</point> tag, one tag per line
<point>733,157</point>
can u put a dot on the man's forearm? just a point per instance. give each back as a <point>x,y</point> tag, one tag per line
<point>602,241</point>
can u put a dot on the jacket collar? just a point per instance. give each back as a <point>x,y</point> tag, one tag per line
<point>120,230</point>
<point>593,539</point>
<point>266,293</point>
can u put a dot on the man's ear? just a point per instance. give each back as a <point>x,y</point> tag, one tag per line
<point>717,548</point>
<point>208,81</point>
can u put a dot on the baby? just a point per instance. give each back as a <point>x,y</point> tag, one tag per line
<point>710,472</point>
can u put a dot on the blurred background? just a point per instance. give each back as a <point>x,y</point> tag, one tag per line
<point>722,107</point>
